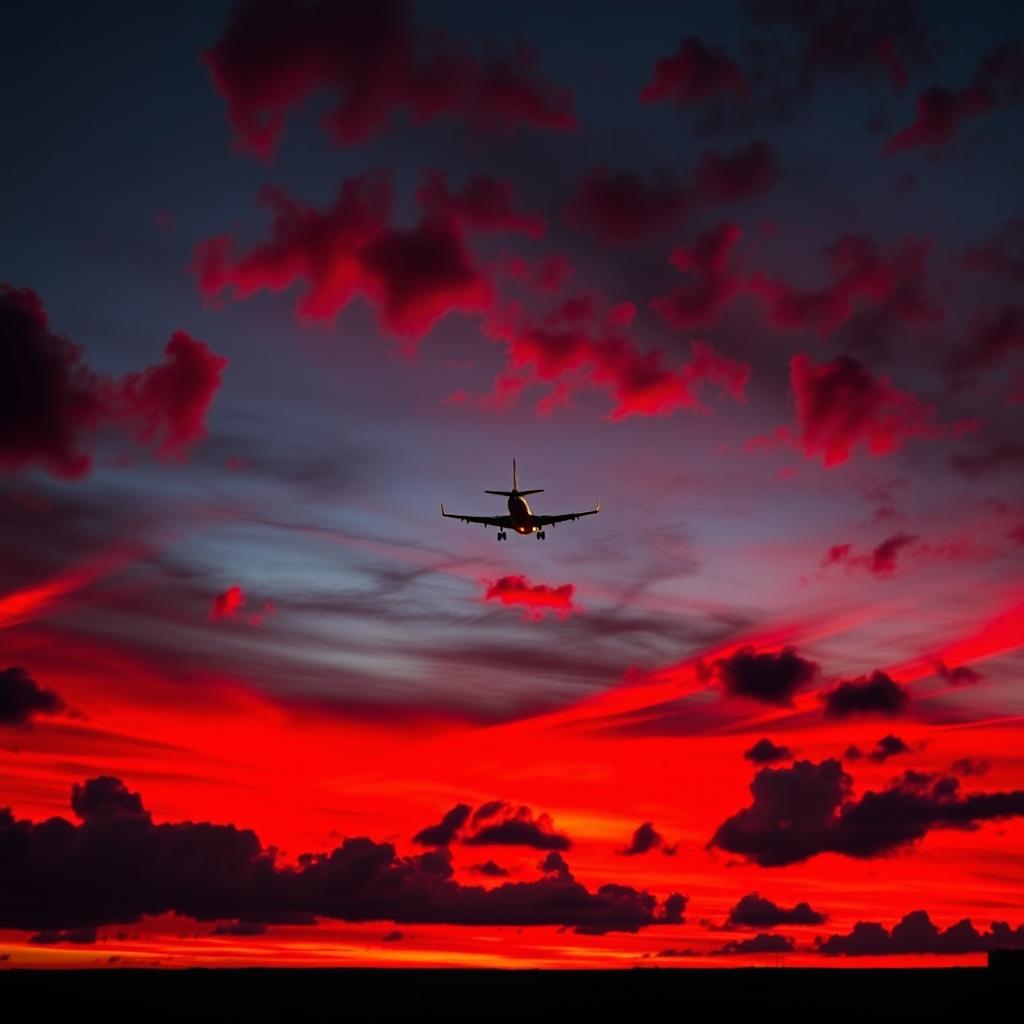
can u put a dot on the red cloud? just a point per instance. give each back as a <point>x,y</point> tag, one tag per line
<point>535,598</point>
<point>53,403</point>
<point>881,561</point>
<point>696,73</point>
<point>623,208</point>
<point>276,53</point>
<point>229,605</point>
<point>940,112</point>
<point>570,348</point>
<point>167,404</point>
<point>992,337</point>
<point>413,277</point>
<point>840,405</point>
<point>699,302</point>
<point>893,278</point>
<point>484,203</point>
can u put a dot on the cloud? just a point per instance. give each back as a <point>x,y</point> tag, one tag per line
<point>840,406</point>
<point>622,208</point>
<point>22,698</point>
<point>695,73</point>
<point>412,277</point>
<point>808,809</point>
<point>992,337</point>
<point>496,823</point>
<point>229,605</point>
<point>1002,256</point>
<point>242,928</point>
<point>581,345</point>
<point>166,405</point>
<point>994,457</point>
<point>74,936</point>
<point>516,826</point>
<point>996,83</point>
<point>490,869</point>
<point>484,204</point>
<point>763,943</point>
<point>893,278</point>
<point>647,838</point>
<point>766,752</point>
<point>535,598</point>
<point>882,561</point>
<point>970,766</point>
<point>709,288</point>
<point>915,933</point>
<point>961,675</point>
<point>275,54</point>
<point>754,911</point>
<point>445,831</point>
<point>117,865</point>
<point>874,694</point>
<point>771,677</point>
<point>54,404</point>
<point>886,747</point>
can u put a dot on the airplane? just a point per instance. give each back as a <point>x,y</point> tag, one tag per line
<point>520,518</point>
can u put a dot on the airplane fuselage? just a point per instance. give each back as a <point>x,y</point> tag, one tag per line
<point>519,512</point>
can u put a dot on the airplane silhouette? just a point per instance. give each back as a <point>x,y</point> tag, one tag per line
<point>519,518</point>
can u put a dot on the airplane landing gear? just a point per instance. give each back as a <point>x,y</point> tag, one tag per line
<point>541,535</point>
<point>501,535</point>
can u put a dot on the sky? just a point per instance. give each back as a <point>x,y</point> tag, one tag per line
<point>279,277</point>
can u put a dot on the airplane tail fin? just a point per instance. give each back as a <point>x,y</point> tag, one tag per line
<point>515,485</point>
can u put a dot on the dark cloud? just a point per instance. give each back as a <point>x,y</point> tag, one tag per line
<point>74,936</point>
<point>996,456</point>
<point>915,933</point>
<point>520,830</point>
<point>624,208</point>
<point>886,747</point>
<point>960,675</point>
<point>996,83</point>
<point>891,278</point>
<point>754,911</point>
<point>694,74</point>
<point>484,204</point>
<point>117,865</point>
<point>762,943</point>
<point>22,698</point>
<point>1002,256</point>
<point>882,561</point>
<point>771,677</point>
<point>766,752</point>
<point>490,869</point>
<point>708,288</point>
<point>243,928</point>
<point>52,404</point>
<point>992,337</point>
<point>970,766</point>
<point>647,838</point>
<point>874,694</point>
<point>276,53</point>
<point>845,37</point>
<point>444,832</point>
<point>809,809</point>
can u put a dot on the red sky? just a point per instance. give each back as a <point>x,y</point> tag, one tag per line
<point>260,704</point>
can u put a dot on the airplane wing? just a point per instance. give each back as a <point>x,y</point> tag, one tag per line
<point>551,520</point>
<point>503,522</point>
